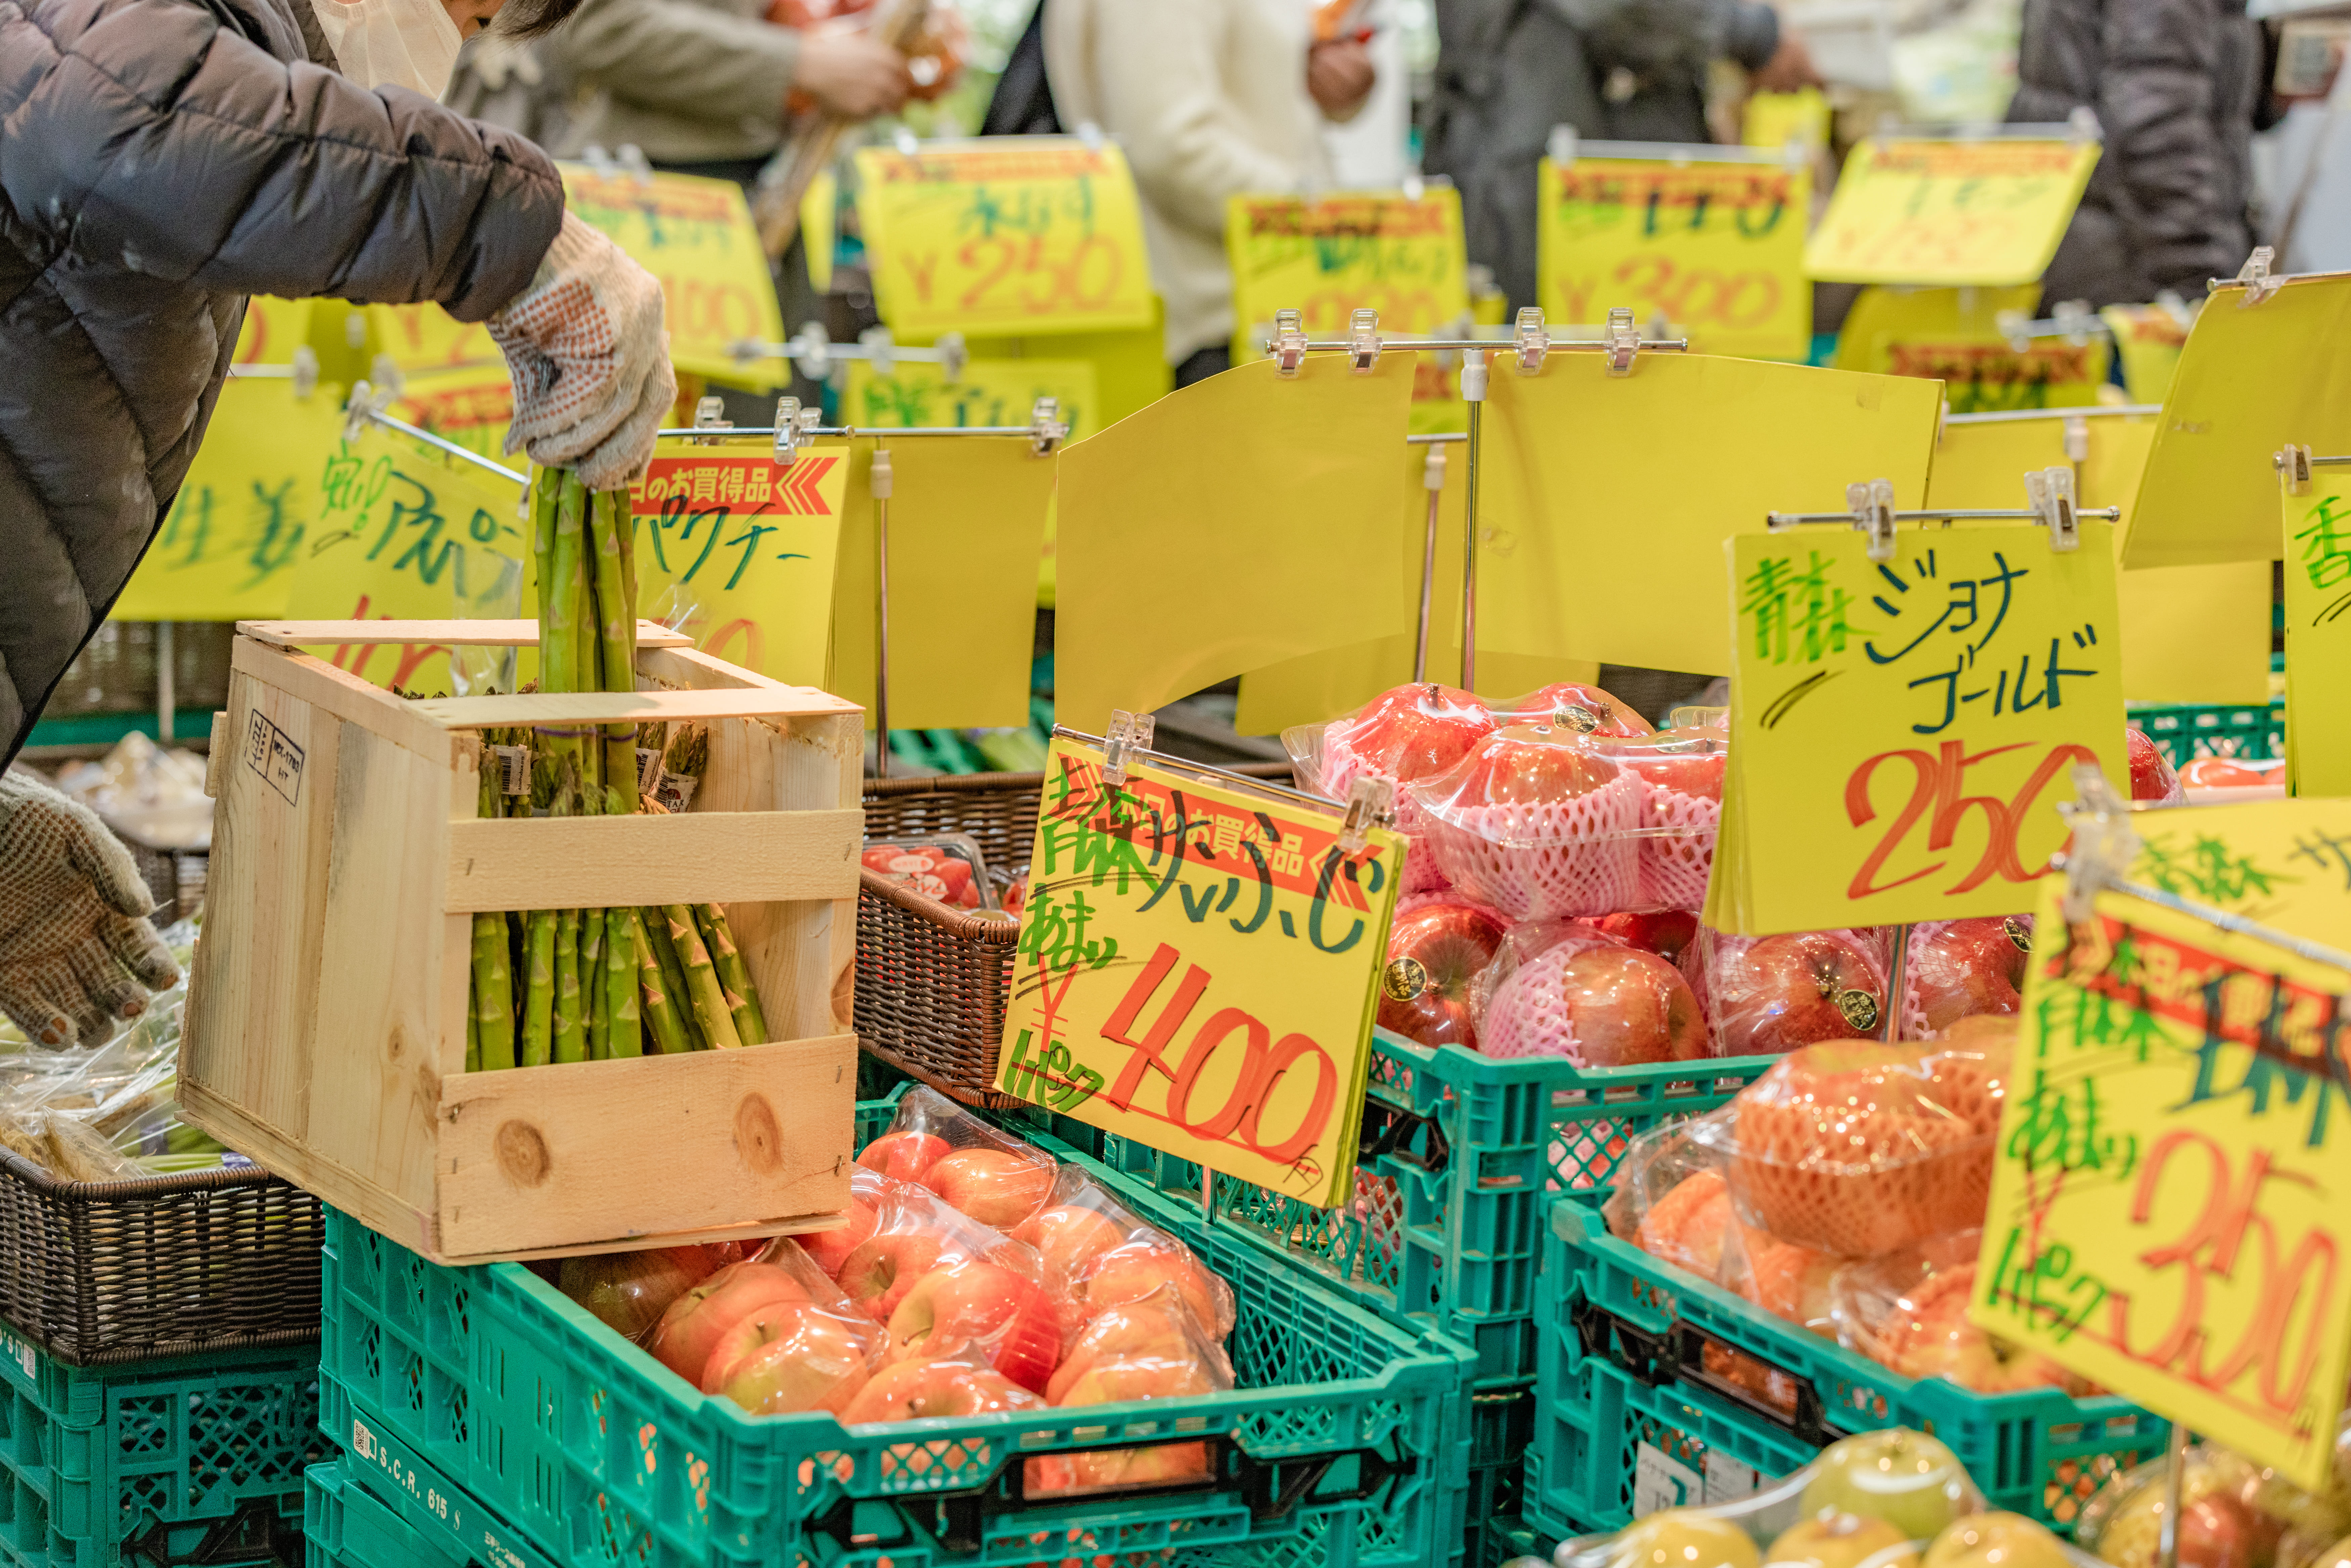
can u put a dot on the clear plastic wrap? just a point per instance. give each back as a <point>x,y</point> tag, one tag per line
<point>1436,951</point>
<point>1963,968</point>
<point>1857,1148</point>
<point>1571,704</point>
<point>1671,1200</point>
<point>828,1250</point>
<point>2233,1513</point>
<point>1097,1254</point>
<point>1762,996</point>
<point>1408,733</point>
<point>1153,1348</point>
<point>916,1232</point>
<point>949,867</point>
<point>771,1333</point>
<point>1667,933</point>
<point>990,1176</point>
<point>975,1309</point>
<point>154,795</point>
<point>1537,822</point>
<point>1907,1311</point>
<point>629,1291</point>
<point>1563,988</point>
<point>1683,770</point>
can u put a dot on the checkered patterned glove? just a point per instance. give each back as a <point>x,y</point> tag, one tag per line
<point>76,950</point>
<point>590,360</point>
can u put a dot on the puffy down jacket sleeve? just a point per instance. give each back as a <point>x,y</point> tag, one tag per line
<point>148,136</point>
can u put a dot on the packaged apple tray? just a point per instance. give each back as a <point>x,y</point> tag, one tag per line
<point>1461,1153</point>
<point>503,1423</point>
<point>194,1460</point>
<point>1635,1420</point>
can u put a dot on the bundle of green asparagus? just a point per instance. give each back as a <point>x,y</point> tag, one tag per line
<point>582,985</point>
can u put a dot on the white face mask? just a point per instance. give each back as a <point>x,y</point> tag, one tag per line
<point>392,43</point>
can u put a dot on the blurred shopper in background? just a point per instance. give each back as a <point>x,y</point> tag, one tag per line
<point>2174,85</point>
<point>1209,99</point>
<point>1626,70</point>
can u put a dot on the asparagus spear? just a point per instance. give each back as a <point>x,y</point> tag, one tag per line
<point>493,1008</point>
<point>559,635</point>
<point>618,618</point>
<point>473,1041</point>
<point>661,1012</point>
<point>539,1023</point>
<point>592,993</point>
<point>703,991</point>
<point>733,974</point>
<point>624,1022</point>
<point>656,924</point>
<point>571,1022</point>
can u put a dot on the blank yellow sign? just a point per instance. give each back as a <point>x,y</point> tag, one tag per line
<point>1914,209</point>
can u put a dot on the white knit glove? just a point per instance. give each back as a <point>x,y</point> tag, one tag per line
<point>589,359</point>
<point>75,951</point>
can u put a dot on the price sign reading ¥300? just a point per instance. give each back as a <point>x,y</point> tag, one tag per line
<point>1716,247</point>
<point>696,236</point>
<point>1903,730</point>
<point>1008,235</point>
<point>1198,971</point>
<point>2166,1195</point>
<point>2317,635</point>
<point>1918,211</point>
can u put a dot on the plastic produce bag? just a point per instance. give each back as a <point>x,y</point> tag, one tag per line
<point>2233,1513</point>
<point>1537,822</point>
<point>1763,996</point>
<point>1409,733</point>
<point>1097,1254</point>
<point>1563,988</point>
<point>1963,968</point>
<point>916,1232</point>
<point>990,1176</point>
<point>771,1333</point>
<point>1671,1200</point>
<point>1907,1311</point>
<point>1438,951</point>
<point>1148,1349</point>
<point>629,1291</point>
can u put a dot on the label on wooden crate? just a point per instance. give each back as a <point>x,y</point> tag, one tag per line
<point>2167,1193</point>
<point>1198,971</point>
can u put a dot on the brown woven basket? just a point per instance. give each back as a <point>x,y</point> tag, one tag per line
<point>931,979</point>
<point>99,1273</point>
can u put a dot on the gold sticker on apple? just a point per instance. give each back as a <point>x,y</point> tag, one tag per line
<point>2019,933</point>
<point>1860,1009</point>
<point>1404,980</point>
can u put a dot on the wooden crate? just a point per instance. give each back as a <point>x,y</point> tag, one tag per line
<point>326,1022</point>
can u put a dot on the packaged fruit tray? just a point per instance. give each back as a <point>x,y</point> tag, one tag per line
<point>2188,731</point>
<point>1461,1154</point>
<point>194,1459</point>
<point>1640,1355</point>
<point>1345,1443</point>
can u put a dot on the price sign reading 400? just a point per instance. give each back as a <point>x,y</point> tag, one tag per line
<point>1903,730</point>
<point>696,237</point>
<point>1198,971</point>
<point>1916,211</point>
<point>1715,246</point>
<point>2166,1187</point>
<point>1010,235</point>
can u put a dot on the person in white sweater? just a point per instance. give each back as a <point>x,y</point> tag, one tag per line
<point>1210,99</point>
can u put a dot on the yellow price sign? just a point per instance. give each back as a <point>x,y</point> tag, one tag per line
<point>1999,378</point>
<point>1713,243</point>
<point>425,337</point>
<point>1007,235</point>
<point>2164,1203</point>
<point>1776,119</point>
<point>2148,338</point>
<point>1199,970</point>
<point>737,552</point>
<point>469,404</point>
<point>2317,635</point>
<point>1902,730</point>
<point>1910,210</point>
<point>245,514</point>
<point>696,237</point>
<point>989,392</point>
<point>272,331</point>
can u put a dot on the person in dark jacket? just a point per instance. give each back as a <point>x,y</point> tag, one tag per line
<point>2174,85</point>
<point>161,159</point>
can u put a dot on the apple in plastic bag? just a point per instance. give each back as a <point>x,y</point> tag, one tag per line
<point>2151,776</point>
<point>1626,1008</point>
<point>1934,1338</point>
<point>1411,731</point>
<point>813,1361</point>
<point>1908,1480</point>
<point>995,1186</point>
<point>1832,1541</point>
<point>1680,1538</point>
<point>1132,1272</point>
<point>982,1310</point>
<point>922,1390</point>
<point>1796,989</point>
<point>1584,709</point>
<point>1969,968</point>
<point>902,1155</point>
<point>1435,954</point>
<point>1529,765</point>
<point>829,1250</point>
<point>1667,933</point>
<point>2215,1531</point>
<point>697,1321</point>
<point>1686,761</point>
<point>881,1269</point>
<point>629,1291</point>
<point>1997,1541</point>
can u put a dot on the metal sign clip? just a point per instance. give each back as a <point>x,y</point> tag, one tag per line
<point>881,349</point>
<point>1531,339</point>
<point>1370,802</point>
<point>2077,438</point>
<point>1045,429</point>
<point>788,431</point>
<point>2050,492</point>
<point>1872,502</point>
<point>1363,339</point>
<point>1289,348</point>
<point>710,413</point>
<point>2293,468</point>
<point>2103,846</point>
<point>365,404</point>
<point>2255,275</point>
<point>306,371</point>
<point>1127,732</point>
<point>1560,147</point>
<point>1622,338</point>
<point>2075,319</point>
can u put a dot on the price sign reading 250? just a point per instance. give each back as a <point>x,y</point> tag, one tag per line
<point>1197,970</point>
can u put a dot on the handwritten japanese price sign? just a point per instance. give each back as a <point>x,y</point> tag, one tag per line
<point>1198,971</point>
<point>696,236</point>
<point>1995,377</point>
<point>1902,731</point>
<point>2166,1195</point>
<point>1716,247</point>
<point>2149,338</point>
<point>247,512</point>
<point>1009,235</point>
<point>469,404</point>
<point>2317,636</point>
<point>404,533</point>
<point>738,553</point>
<point>425,337</point>
<point>990,392</point>
<point>1918,211</point>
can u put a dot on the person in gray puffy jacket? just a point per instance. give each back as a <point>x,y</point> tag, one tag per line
<point>161,159</point>
<point>2173,83</point>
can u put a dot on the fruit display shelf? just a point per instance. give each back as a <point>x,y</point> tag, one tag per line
<point>1461,1154</point>
<point>188,1460</point>
<point>1660,1388</point>
<point>1344,1445</point>
<point>2185,731</point>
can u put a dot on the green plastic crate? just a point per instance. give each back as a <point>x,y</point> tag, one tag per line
<point>1460,1156</point>
<point>343,1526</point>
<point>1501,1426</point>
<point>193,1460</point>
<point>2190,730</point>
<point>1345,1446</point>
<point>1506,1539</point>
<point>1626,1343</point>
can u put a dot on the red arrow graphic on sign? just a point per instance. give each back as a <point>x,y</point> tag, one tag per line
<point>796,487</point>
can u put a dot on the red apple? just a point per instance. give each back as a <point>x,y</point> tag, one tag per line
<point>1793,989</point>
<point>1526,765</point>
<point>1626,1007</point>
<point>924,1390</point>
<point>2150,771</point>
<point>903,1157</point>
<point>1412,731</point>
<point>1929,1336</point>
<point>1586,710</point>
<point>695,1322</point>
<point>1068,1237</point>
<point>1963,968</point>
<point>1148,1332</point>
<point>881,1269</point>
<point>829,1250</point>
<point>1687,761</point>
<point>1433,954</point>
<point>995,1186</point>
<point>976,1308</point>
<point>818,1363</point>
<point>1667,933</point>
<point>629,1291</point>
<point>1134,1271</point>
<point>759,1327</point>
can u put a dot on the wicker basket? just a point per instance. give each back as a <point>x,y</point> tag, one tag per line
<point>931,979</point>
<point>100,1273</point>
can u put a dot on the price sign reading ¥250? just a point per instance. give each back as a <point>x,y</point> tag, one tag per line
<point>1198,971</point>
<point>1714,243</point>
<point>1007,235</point>
<point>1903,730</point>
<point>1911,210</point>
<point>2168,1196</point>
<point>696,236</point>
